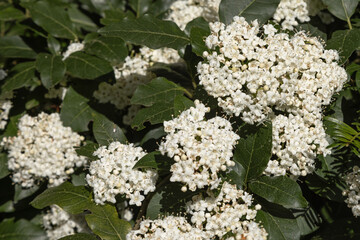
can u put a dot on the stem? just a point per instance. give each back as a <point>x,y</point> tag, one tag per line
<point>349,23</point>
<point>188,93</point>
<point>146,202</point>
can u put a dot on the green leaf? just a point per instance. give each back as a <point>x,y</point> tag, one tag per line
<point>80,236</point>
<point>85,66</point>
<point>10,14</point>
<point>147,30</point>
<point>197,36</point>
<point>279,228</point>
<point>181,104</point>
<point>21,230</point>
<point>105,131</point>
<point>328,187</point>
<point>148,161</point>
<point>112,49</point>
<point>104,221</point>
<point>236,175</point>
<point>75,111</point>
<point>52,69</point>
<point>80,20</point>
<point>20,76</point>
<point>53,45</point>
<point>160,7</point>
<point>262,10</point>
<point>312,30</point>
<point>342,9</point>
<point>140,6</point>
<point>199,22</point>
<point>22,193</point>
<point>253,151</point>
<point>280,190</point>
<point>73,199</point>
<point>341,228</point>
<point>55,20</point>
<point>7,207</point>
<point>308,221</point>
<point>345,42</point>
<point>114,16</point>
<point>3,166</point>
<point>14,47</point>
<point>153,134</point>
<point>87,150</point>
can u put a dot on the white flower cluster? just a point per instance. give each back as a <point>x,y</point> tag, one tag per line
<point>353,193</point>
<point>200,148</point>
<point>289,12</point>
<point>113,174</point>
<point>184,11</point>
<point>168,228</point>
<point>59,223</point>
<point>251,76</point>
<point>73,47</point>
<point>5,106</point>
<point>42,149</point>
<point>130,75</point>
<point>230,211</point>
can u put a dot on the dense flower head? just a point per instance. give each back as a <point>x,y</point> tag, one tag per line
<point>42,149</point>
<point>113,174</point>
<point>5,106</point>
<point>58,223</point>
<point>73,47</point>
<point>201,148</point>
<point>169,228</point>
<point>353,191</point>
<point>231,211</point>
<point>184,11</point>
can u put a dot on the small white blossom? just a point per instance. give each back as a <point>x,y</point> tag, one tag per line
<point>5,106</point>
<point>73,47</point>
<point>201,148</point>
<point>353,191</point>
<point>113,174</point>
<point>42,149</point>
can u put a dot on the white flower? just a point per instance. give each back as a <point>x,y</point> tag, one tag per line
<point>42,149</point>
<point>200,148</point>
<point>113,174</point>
<point>5,106</point>
<point>353,191</point>
<point>73,47</point>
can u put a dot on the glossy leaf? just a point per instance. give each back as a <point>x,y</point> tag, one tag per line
<point>153,134</point>
<point>140,6</point>
<point>253,151</point>
<point>75,111</point>
<point>105,131</point>
<point>113,50</point>
<point>3,166</point>
<point>80,20</point>
<point>312,30</point>
<point>53,45</point>
<point>181,104</point>
<point>21,230</point>
<point>262,10</point>
<point>55,20</point>
<point>20,76</point>
<point>85,66</point>
<point>148,31</point>
<point>198,36</point>
<point>52,69</point>
<point>345,42</point>
<point>15,47</point>
<point>280,190</point>
<point>342,9</point>
<point>10,13</point>
<point>87,150</point>
<point>22,193</point>
<point>236,175</point>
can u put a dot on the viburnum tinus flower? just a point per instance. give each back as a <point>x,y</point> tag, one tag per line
<point>231,211</point>
<point>113,174</point>
<point>201,148</point>
<point>73,47</point>
<point>353,191</point>
<point>43,149</point>
<point>258,74</point>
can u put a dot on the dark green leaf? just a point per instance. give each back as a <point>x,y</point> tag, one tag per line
<point>253,151</point>
<point>21,230</point>
<point>80,236</point>
<point>148,31</point>
<point>10,13</point>
<point>160,7</point>
<point>87,150</point>
<point>153,134</point>
<point>73,199</point>
<point>341,228</point>
<point>20,76</point>
<point>3,166</point>
<point>75,111</point>
<point>78,179</point>
<point>345,42</point>
<point>312,30</point>
<point>199,22</point>
<point>7,207</point>
<point>262,10</point>
<point>105,131</point>
<point>52,69</point>
<point>55,20</point>
<point>113,50</point>
<point>114,16</point>
<point>80,20</point>
<point>148,161</point>
<point>53,45</point>
<point>85,66</point>
<point>342,9</point>
<point>197,36</point>
<point>329,187</point>
<point>280,190</point>
<point>279,228</point>
<point>181,104</point>
<point>140,6</point>
<point>22,193</point>
<point>236,175</point>
<point>104,221</point>
<point>308,221</point>
<point>14,47</point>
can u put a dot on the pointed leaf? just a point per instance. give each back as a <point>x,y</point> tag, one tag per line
<point>140,6</point>
<point>80,20</point>
<point>181,104</point>
<point>85,66</point>
<point>262,10</point>
<point>21,230</point>
<point>280,190</point>
<point>253,151</point>
<point>149,31</point>
<point>153,134</point>
<point>20,76</point>
<point>87,150</point>
<point>198,36</point>
<point>15,47</point>
<point>345,42</point>
<point>105,131</point>
<point>342,9</point>
<point>10,13</point>
<point>52,69</point>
